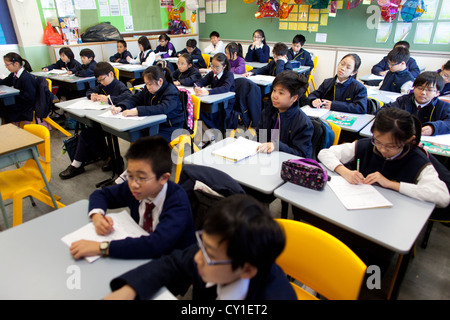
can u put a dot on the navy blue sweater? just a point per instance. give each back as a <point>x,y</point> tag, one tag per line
<point>71,65</point>
<point>258,55</point>
<point>196,54</point>
<point>121,56</point>
<point>85,70</point>
<point>175,229</point>
<point>436,113</point>
<point>116,89</point>
<point>273,68</point>
<point>383,65</point>
<point>303,56</point>
<point>351,96</point>
<point>393,81</point>
<point>188,77</point>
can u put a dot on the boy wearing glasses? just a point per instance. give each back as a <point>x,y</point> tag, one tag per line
<point>91,141</point>
<point>398,78</point>
<point>234,259</point>
<point>382,67</point>
<point>161,207</point>
<point>433,113</point>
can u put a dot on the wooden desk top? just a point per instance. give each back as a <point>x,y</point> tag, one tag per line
<point>15,138</point>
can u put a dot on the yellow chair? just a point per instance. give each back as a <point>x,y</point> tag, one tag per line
<point>311,77</point>
<point>320,261</point>
<point>27,180</point>
<point>207,59</point>
<point>50,121</point>
<point>248,68</point>
<point>337,132</point>
<point>116,73</point>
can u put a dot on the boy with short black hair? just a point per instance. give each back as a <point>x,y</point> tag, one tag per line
<point>279,63</point>
<point>398,79</point>
<point>159,206</point>
<point>382,67</point>
<point>433,113</point>
<point>234,259</point>
<point>297,53</point>
<point>216,46</point>
<point>195,52</point>
<point>122,53</point>
<point>87,64</point>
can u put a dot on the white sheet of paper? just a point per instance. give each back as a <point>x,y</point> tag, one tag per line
<point>314,112</point>
<point>124,226</point>
<point>108,114</point>
<point>89,105</point>
<point>357,196</point>
<point>237,150</point>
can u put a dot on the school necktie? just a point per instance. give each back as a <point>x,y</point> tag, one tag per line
<point>215,78</point>
<point>148,217</point>
<point>15,79</point>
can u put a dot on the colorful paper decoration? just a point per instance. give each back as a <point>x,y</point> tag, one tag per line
<point>268,10</point>
<point>389,9</point>
<point>412,10</point>
<point>353,4</point>
<point>284,10</point>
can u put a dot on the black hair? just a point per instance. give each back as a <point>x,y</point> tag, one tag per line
<point>247,227</point>
<point>214,34</point>
<point>164,37</point>
<point>292,81</point>
<point>280,49</point>
<point>188,58</point>
<point>299,38</point>
<point>158,71</point>
<point>68,52</point>
<point>447,65</point>
<point>400,123</point>
<point>122,42</point>
<point>430,78</point>
<point>144,42</point>
<point>103,68</point>
<point>398,55</point>
<point>155,150</point>
<point>15,57</point>
<point>222,58</point>
<point>87,53</point>
<point>261,33</point>
<point>402,44</point>
<point>234,47</point>
<point>355,58</point>
<point>191,43</point>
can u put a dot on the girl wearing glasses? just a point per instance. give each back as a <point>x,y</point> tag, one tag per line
<point>21,79</point>
<point>258,51</point>
<point>390,158</point>
<point>186,74</point>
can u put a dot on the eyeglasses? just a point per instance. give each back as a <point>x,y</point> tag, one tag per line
<point>387,148</point>
<point>444,75</point>
<point>8,64</point>
<point>257,37</point>
<point>102,79</point>
<point>426,89</point>
<point>209,262</point>
<point>394,64</point>
<point>217,67</point>
<point>139,181</point>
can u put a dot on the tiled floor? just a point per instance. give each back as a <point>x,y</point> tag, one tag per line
<point>427,277</point>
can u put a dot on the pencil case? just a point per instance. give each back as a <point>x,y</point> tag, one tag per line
<point>304,172</point>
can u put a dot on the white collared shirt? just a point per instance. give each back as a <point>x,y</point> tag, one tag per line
<point>236,290</point>
<point>158,202</point>
<point>19,73</point>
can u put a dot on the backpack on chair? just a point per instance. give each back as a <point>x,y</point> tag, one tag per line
<point>323,136</point>
<point>44,98</point>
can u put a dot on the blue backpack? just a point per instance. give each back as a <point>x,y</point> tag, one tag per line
<point>323,136</point>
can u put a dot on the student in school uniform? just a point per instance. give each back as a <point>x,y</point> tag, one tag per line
<point>159,96</point>
<point>391,158</point>
<point>234,259</point>
<point>195,52</point>
<point>146,57</point>
<point>186,74</point>
<point>221,80</point>
<point>279,63</point>
<point>297,53</point>
<point>343,92</point>
<point>258,51</point>
<point>21,79</point>
<point>233,51</point>
<point>382,67</point>
<point>122,53</point>
<point>87,64</point>
<point>287,128</point>
<point>159,206</point>
<point>66,61</point>
<point>398,79</point>
<point>91,140</point>
<point>216,46</point>
<point>423,102</point>
<point>445,73</point>
<point>165,49</point>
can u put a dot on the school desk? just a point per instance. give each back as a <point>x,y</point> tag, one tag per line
<point>7,96</point>
<point>129,71</point>
<point>395,228</point>
<point>264,82</point>
<point>69,82</point>
<point>36,265</point>
<point>383,96</point>
<point>17,145</point>
<point>256,65</point>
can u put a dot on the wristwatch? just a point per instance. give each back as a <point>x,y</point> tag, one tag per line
<point>104,248</point>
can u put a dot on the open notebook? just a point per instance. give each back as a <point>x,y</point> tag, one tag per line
<point>237,150</point>
<point>124,226</point>
<point>357,196</point>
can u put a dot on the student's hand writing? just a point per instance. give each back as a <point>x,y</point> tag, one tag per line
<point>326,104</point>
<point>116,110</point>
<point>317,103</point>
<point>352,176</point>
<point>104,225</point>
<point>382,181</point>
<point>94,96</point>
<point>266,147</point>
<point>201,91</point>
<point>125,293</point>
<point>84,248</point>
<point>427,131</point>
<point>130,113</point>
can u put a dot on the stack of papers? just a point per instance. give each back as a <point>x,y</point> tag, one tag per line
<point>262,79</point>
<point>57,71</point>
<point>314,112</point>
<point>237,150</point>
<point>108,114</point>
<point>87,104</point>
<point>124,226</point>
<point>357,196</point>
